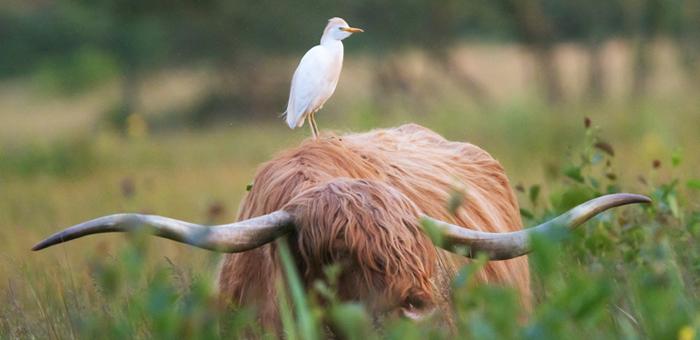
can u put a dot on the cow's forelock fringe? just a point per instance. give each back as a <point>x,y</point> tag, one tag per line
<point>369,226</point>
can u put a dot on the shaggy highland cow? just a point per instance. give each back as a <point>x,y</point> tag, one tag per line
<point>358,200</point>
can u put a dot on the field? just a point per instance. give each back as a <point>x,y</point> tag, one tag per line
<point>632,273</point>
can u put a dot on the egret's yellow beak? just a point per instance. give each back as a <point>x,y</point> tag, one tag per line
<point>352,29</point>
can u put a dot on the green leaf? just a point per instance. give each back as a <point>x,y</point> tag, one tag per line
<point>534,194</point>
<point>673,205</point>
<point>526,213</point>
<point>467,274</point>
<point>676,157</point>
<point>571,197</point>
<point>351,320</point>
<point>693,184</point>
<point>612,188</point>
<point>574,172</point>
<point>455,201</point>
<point>285,312</point>
<point>433,231</point>
<point>307,323</point>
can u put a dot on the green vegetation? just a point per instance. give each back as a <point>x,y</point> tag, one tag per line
<point>629,273</point>
<point>168,108</point>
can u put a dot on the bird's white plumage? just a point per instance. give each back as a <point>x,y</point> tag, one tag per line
<point>314,81</point>
<point>317,75</point>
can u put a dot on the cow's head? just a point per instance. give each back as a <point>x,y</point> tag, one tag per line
<point>370,229</point>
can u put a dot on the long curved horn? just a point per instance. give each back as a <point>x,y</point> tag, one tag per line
<point>504,246</point>
<point>227,238</point>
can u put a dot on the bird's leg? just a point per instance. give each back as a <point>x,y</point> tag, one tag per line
<point>312,123</point>
<point>316,133</point>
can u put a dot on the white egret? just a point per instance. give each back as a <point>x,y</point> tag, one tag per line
<point>317,75</point>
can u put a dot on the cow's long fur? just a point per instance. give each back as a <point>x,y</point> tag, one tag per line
<point>356,198</point>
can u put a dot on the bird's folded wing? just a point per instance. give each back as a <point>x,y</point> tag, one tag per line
<point>307,85</point>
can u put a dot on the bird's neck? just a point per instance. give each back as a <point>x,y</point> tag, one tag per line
<point>332,43</point>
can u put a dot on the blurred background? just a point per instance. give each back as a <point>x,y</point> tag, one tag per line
<point>168,107</point>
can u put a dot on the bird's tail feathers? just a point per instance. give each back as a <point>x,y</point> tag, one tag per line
<point>292,124</point>
<point>293,121</point>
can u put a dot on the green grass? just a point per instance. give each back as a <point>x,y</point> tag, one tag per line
<point>630,273</point>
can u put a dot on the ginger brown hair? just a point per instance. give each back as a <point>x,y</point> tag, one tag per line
<point>356,199</point>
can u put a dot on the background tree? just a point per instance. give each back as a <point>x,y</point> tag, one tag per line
<point>535,29</point>
<point>80,42</point>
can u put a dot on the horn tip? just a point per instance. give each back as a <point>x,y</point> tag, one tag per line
<point>51,241</point>
<point>637,198</point>
<point>41,245</point>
